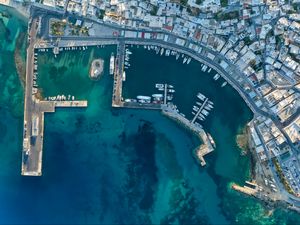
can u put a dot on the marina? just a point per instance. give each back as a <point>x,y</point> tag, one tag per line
<point>163,100</point>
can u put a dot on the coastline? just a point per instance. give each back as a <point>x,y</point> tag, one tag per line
<point>20,63</point>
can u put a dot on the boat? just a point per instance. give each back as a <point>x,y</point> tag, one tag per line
<point>143,97</point>
<point>157,96</point>
<point>184,60</point>
<point>198,103</point>
<point>124,76</point>
<point>211,140</point>
<point>177,56</point>
<point>170,86</point>
<point>159,85</point>
<point>169,97</point>
<point>224,84</point>
<point>194,113</point>
<point>127,64</point>
<point>210,106</point>
<point>210,102</point>
<point>157,50</point>
<point>201,96</point>
<point>201,116</point>
<point>128,51</point>
<point>112,64</point>
<point>167,52</point>
<point>209,70</point>
<point>216,77</point>
<point>207,107</point>
<point>205,112</point>
<point>171,91</point>
<point>148,47</point>
<point>182,114</point>
<point>161,89</point>
<point>162,51</point>
<point>196,108</point>
<point>189,60</point>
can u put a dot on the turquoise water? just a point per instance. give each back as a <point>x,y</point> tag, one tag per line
<point>104,165</point>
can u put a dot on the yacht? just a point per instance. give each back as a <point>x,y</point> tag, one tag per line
<point>184,60</point>
<point>201,96</point>
<point>112,64</point>
<point>159,85</point>
<point>224,84</point>
<point>162,51</point>
<point>124,76</point>
<point>189,60</point>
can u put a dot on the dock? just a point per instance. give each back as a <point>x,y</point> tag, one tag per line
<point>199,110</point>
<point>118,73</point>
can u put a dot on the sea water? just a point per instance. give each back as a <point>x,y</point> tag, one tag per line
<point>104,165</point>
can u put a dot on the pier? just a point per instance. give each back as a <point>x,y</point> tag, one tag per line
<point>199,110</point>
<point>118,73</point>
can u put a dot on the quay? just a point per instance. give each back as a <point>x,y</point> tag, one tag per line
<point>34,109</point>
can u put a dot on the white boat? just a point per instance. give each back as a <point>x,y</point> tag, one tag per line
<point>170,86</point>
<point>128,51</point>
<point>210,106</point>
<point>148,47</point>
<point>210,102</point>
<point>198,103</point>
<point>159,85</point>
<point>211,140</point>
<point>167,52</point>
<point>171,91</point>
<point>189,60</point>
<point>184,60</point>
<point>196,107</point>
<point>201,116</point>
<point>224,84</point>
<point>205,112</point>
<point>209,70</point>
<point>216,77</point>
<point>207,107</point>
<point>143,97</point>
<point>201,96</point>
<point>162,51</point>
<point>177,56</point>
<point>194,113</point>
<point>124,76</point>
<point>157,96</point>
<point>112,64</point>
<point>157,50</point>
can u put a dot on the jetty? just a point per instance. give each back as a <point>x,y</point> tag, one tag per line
<point>206,147</point>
